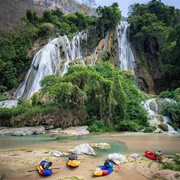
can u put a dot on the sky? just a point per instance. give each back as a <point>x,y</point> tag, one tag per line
<point>124,4</point>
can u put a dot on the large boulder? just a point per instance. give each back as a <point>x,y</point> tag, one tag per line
<point>78,130</point>
<point>24,131</point>
<point>117,158</point>
<point>83,149</point>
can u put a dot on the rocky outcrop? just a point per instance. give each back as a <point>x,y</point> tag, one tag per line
<point>144,79</point>
<point>24,131</point>
<point>66,6</point>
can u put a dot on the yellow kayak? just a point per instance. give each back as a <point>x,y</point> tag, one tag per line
<point>73,163</point>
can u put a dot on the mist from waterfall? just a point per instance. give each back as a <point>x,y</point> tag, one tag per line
<point>125,55</point>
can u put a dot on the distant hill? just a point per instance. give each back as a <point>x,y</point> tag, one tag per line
<point>11,11</point>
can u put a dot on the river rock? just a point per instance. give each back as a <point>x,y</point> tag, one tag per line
<point>136,156</point>
<point>24,131</point>
<point>58,154</point>
<point>57,130</point>
<point>76,131</point>
<point>83,149</point>
<point>101,145</point>
<point>117,158</point>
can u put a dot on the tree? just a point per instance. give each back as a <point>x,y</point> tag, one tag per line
<point>110,17</point>
<point>155,31</point>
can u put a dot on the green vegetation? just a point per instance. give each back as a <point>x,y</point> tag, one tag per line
<point>109,18</point>
<point>102,96</point>
<point>155,32</point>
<point>172,109</point>
<point>14,48</point>
<point>98,95</point>
<point>175,165</point>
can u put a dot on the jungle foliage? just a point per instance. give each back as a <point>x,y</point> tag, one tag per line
<point>174,164</point>
<point>155,31</point>
<point>172,109</point>
<point>14,48</point>
<point>99,94</point>
<point>102,92</point>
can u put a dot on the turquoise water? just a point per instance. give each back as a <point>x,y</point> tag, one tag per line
<point>167,143</point>
<point>10,142</point>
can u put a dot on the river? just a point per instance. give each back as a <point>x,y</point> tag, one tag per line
<point>124,143</point>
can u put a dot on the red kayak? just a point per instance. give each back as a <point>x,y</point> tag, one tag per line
<point>152,155</point>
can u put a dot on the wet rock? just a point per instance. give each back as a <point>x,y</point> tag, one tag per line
<point>78,130</point>
<point>101,145</point>
<point>24,131</point>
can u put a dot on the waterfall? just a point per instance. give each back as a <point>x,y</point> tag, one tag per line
<point>44,63</point>
<point>47,60</point>
<point>125,55</point>
<point>61,51</point>
<point>154,118</point>
<point>8,103</point>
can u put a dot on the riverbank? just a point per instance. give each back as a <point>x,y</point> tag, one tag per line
<point>15,162</point>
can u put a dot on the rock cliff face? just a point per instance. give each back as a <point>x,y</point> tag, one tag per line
<point>149,76</point>
<point>12,11</point>
<point>66,6</point>
<point>144,79</point>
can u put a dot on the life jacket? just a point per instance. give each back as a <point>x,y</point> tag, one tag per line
<point>108,164</point>
<point>158,153</point>
<point>73,157</point>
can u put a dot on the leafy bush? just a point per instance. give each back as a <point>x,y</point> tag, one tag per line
<point>176,166</point>
<point>149,129</point>
<point>171,94</point>
<point>177,159</point>
<point>172,111</point>
<point>126,125</point>
<point>97,126</point>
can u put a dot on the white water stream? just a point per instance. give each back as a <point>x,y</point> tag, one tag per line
<point>47,60</point>
<point>126,58</point>
<point>153,114</point>
<point>61,51</point>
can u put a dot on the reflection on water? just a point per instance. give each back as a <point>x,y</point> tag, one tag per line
<point>10,142</point>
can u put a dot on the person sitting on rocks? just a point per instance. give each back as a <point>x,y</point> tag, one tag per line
<point>158,153</point>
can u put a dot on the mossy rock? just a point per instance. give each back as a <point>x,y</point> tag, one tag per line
<point>164,127</point>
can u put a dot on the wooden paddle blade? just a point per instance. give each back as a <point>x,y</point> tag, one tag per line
<point>32,170</point>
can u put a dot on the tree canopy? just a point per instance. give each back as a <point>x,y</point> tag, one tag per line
<point>155,32</point>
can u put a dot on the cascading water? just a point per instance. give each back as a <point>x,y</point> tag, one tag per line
<point>44,63</point>
<point>125,55</point>
<point>47,60</point>
<point>154,118</point>
<point>61,51</point>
